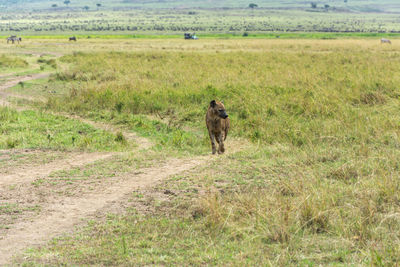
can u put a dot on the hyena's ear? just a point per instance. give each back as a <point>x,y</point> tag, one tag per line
<point>213,103</point>
<point>222,101</point>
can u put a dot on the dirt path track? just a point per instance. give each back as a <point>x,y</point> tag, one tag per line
<point>62,217</point>
<point>13,82</point>
<point>28,174</point>
<point>25,78</point>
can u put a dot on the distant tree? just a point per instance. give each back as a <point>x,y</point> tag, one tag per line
<point>345,1</point>
<point>245,34</point>
<point>86,8</point>
<point>252,5</point>
<point>54,5</point>
<point>313,5</point>
<point>327,6</point>
<point>98,5</point>
<point>67,2</point>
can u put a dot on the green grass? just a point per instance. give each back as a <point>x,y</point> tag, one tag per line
<point>34,129</point>
<point>169,136</point>
<point>166,137</point>
<point>318,185</point>
<point>300,97</point>
<point>14,64</point>
<point>39,89</point>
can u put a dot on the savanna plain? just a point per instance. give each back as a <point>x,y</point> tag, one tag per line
<point>310,176</point>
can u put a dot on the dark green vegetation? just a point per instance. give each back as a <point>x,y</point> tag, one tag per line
<point>218,17</point>
<point>319,184</point>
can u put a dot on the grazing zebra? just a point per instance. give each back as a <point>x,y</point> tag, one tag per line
<point>13,39</point>
<point>384,40</point>
<point>73,38</point>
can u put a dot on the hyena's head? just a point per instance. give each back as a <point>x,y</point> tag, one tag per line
<point>219,109</point>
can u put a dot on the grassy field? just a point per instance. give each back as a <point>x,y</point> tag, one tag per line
<point>29,129</point>
<point>203,17</point>
<point>166,22</point>
<point>39,5</point>
<point>316,182</point>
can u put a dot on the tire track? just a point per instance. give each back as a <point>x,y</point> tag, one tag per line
<point>24,78</point>
<point>30,173</point>
<point>61,217</point>
<point>13,82</point>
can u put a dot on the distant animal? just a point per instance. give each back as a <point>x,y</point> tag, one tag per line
<point>13,39</point>
<point>218,124</point>
<point>73,38</point>
<point>384,40</point>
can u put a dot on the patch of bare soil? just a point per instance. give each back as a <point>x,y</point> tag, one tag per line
<point>62,215</point>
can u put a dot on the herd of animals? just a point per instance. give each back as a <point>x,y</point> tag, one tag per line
<point>13,39</point>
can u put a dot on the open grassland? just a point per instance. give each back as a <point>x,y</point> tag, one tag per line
<point>215,17</point>
<point>298,92</point>
<point>317,185</point>
<point>39,5</point>
<point>203,21</point>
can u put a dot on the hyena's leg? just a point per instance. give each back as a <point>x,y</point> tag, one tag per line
<point>221,144</point>
<point>212,138</point>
